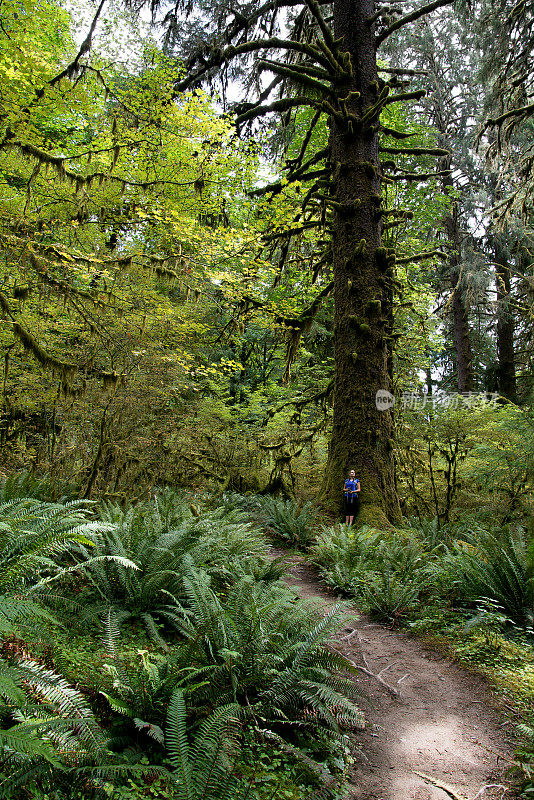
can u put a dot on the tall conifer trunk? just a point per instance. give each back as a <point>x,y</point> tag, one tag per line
<point>362,434</point>
<point>505,325</point>
<point>460,331</point>
<point>460,318</point>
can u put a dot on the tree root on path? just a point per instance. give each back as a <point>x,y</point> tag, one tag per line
<point>453,794</point>
<point>376,675</point>
<point>443,786</point>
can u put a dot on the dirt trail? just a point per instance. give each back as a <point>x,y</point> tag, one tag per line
<point>442,725</point>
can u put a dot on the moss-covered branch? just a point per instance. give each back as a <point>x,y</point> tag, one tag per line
<point>397,134</point>
<point>398,98</point>
<point>278,106</point>
<point>422,257</point>
<point>296,74</point>
<point>415,151</point>
<point>223,56</point>
<point>412,17</point>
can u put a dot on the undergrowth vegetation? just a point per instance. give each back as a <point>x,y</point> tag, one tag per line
<point>289,521</point>
<point>468,587</point>
<point>153,649</point>
<point>391,572</point>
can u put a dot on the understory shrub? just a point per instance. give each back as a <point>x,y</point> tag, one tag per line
<point>34,534</point>
<point>159,541</point>
<point>340,555</point>
<point>498,569</point>
<point>387,572</point>
<point>238,655</point>
<point>25,484</point>
<point>250,503</point>
<point>470,566</point>
<point>261,646</point>
<point>256,647</point>
<point>56,745</point>
<point>525,756</point>
<point>50,733</point>
<point>35,539</point>
<point>288,520</point>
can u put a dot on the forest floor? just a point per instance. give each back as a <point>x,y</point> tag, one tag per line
<point>444,723</point>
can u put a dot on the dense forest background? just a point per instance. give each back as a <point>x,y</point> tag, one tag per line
<point>168,286</point>
<point>167,293</point>
<point>246,248</point>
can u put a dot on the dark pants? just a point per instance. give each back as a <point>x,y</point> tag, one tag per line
<point>352,506</point>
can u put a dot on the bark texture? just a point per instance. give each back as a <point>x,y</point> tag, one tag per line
<point>363,273</point>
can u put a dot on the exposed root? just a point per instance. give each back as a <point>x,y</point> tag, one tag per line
<point>443,786</point>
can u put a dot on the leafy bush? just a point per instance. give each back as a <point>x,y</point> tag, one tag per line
<point>256,647</point>
<point>168,509</point>
<point>288,520</point>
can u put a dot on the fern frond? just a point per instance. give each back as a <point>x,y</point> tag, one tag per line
<point>154,731</point>
<point>176,741</point>
<point>18,739</point>
<point>119,706</point>
<point>152,631</point>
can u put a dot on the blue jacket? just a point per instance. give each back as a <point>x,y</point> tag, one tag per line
<point>351,486</point>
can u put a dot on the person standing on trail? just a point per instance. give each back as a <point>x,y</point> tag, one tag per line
<point>351,491</point>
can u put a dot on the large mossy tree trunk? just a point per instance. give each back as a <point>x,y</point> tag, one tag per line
<point>363,274</point>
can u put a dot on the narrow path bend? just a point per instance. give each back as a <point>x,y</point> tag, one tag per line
<point>442,726</point>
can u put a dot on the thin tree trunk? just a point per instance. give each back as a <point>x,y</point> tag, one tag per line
<point>96,463</point>
<point>462,342</point>
<point>505,325</point>
<point>459,315</point>
<point>362,434</point>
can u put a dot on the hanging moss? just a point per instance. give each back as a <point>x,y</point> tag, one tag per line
<point>359,250</point>
<point>373,308</point>
<point>4,305</point>
<point>109,380</point>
